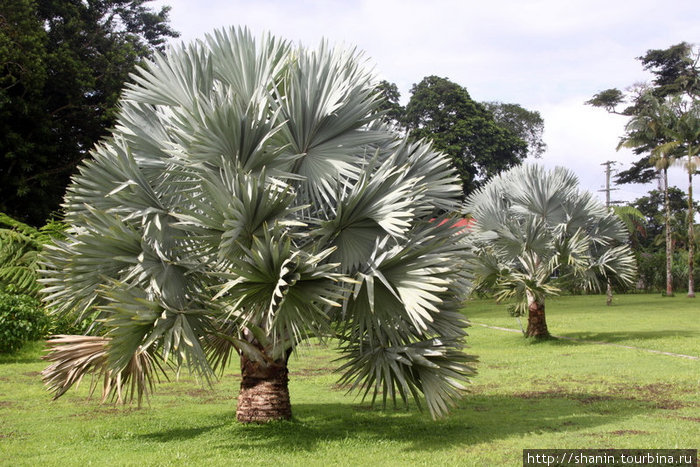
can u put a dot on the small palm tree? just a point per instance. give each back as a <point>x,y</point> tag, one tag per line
<point>534,228</point>
<point>249,199</point>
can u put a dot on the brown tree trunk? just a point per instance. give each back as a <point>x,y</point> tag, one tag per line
<point>536,322</point>
<point>669,244</point>
<point>609,294</point>
<point>691,233</point>
<point>264,394</point>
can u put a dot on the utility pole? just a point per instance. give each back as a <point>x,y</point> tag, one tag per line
<point>608,169</point>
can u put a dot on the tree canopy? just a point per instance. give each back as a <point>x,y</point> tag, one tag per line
<point>444,113</point>
<point>62,67</point>
<point>676,72</point>
<point>527,125</point>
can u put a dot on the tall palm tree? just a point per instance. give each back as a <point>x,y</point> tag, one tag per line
<point>684,134</point>
<point>534,229</point>
<point>249,199</point>
<point>647,129</point>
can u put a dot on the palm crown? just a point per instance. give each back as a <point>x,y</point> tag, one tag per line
<point>533,225</point>
<point>248,199</point>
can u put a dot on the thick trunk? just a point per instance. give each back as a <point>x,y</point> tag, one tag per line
<point>691,234</point>
<point>669,245</point>
<point>536,322</point>
<point>609,294</point>
<point>264,394</point>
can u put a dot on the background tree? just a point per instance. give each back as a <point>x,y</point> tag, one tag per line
<point>390,104</point>
<point>249,199</point>
<point>650,248</point>
<point>444,113</point>
<point>683,132</point>
<point>676,72</point>
<point>527,125</point>
<point>663,127</point>
<point>634,221</point>
<point>647,130</point>
<point>530,226</point>
<point>62,67</point>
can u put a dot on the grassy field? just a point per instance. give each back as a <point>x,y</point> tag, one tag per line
<point>553,394</point>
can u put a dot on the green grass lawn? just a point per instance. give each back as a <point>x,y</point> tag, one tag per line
<point>553,394</point>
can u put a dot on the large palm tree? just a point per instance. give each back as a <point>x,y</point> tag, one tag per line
<point>247,200</point>
<point>534,229</point>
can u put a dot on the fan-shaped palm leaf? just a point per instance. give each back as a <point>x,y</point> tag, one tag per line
<point>249,198</point>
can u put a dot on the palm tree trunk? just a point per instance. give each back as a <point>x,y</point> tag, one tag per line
<point>536,320</point>
<point>691,230</point>
<point>669,245</point>
<point>264,394</point>
<point>609,294</point>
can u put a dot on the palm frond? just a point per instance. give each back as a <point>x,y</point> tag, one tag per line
<point>73,357</point>
<point>435,367</point>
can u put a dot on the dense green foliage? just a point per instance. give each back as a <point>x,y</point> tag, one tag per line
<point>20,245</point>
<point>652,207</point>
<point>248,199</point>
<point>389,104</point>
<point>648,243</point>
<point>63,64</point>
<point>445,113</point>
<point>549,394</point>
<point>482,139</point>
<point>22,319</point>
<point>527,125</point>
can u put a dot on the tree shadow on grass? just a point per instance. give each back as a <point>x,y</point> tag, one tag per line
<point>619,336</point>
<point>480,418</point>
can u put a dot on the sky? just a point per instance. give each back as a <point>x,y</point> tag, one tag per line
<point>546,55</point>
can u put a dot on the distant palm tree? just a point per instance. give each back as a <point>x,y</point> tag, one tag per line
<point>247,200</point>
<point>648,128</point>
<point>534,228</point>
<point>683,133</point>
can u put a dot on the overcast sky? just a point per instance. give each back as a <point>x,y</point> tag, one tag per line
<point>547,55</point>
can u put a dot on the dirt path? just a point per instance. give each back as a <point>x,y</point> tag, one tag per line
<point>582,341</point>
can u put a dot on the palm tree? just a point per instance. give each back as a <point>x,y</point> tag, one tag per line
<point>647,129</point>
<point>684,134</point>
<point>533,230</point>
<point>250,199</point>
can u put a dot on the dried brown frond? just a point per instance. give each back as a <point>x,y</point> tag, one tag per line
<point>75,356</point>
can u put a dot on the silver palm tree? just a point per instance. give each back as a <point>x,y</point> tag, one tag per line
<point>247,200</point>
<point>534,229</point>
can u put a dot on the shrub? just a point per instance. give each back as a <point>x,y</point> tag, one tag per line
<point>20,245</point>
<point>22,319</point>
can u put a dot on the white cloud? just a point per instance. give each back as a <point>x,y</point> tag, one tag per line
<point>547,55</point>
